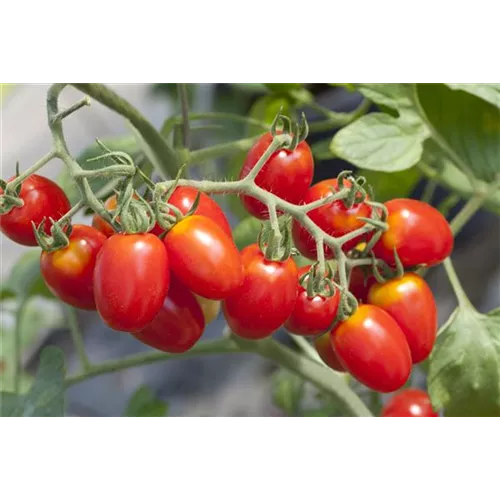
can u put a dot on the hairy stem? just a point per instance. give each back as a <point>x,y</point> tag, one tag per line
<point>460,294</point>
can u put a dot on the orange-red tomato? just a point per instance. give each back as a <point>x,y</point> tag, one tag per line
<point>99,223</point>
<point>419,233</point>
<point>326,352</point>
<point>409,403</point>
<point>204,257</point>
<point>42,199</point>
<point>334,218</point>
<point>178,325</point>
<point>361,281</point>
<point>311,315</point>
<point>410,301</point>
<point>265,299</point>
<point>372,347</point>
<point>69,271</point>
<point>287,174</point>
<point>131,280</point>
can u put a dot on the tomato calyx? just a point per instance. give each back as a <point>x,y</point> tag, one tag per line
<point>59,234</point>
<point>297,132</point>
<point>135,213</point>
<point>276,243</point>
<point>10,197</point>
<point>317,283</point>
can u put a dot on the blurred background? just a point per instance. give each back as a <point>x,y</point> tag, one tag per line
<point>235,385</point>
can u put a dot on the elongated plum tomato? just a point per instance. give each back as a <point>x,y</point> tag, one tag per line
<point>334,218</point>
<point>69,271</point>
<point>178,325</point>
<point>287,174</point>
<point>419,233</point>
<point>204,257</point>
<point>326,352</point>
<point>373,349</point>
<point>265,299</point>
<point>42,199</point>
<point>361,281</point>
<point>409,403</point>
<point>410,302</point>
<point>311,315</point>
<point>131,280</point>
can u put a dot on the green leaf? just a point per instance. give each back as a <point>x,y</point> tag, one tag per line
<point>266,108</point>
<point>283,87</point>
<point>380,142</point>
<point>396,96</point>
<point>464,369</point>
<point>143,403</point>
<point>8,404</point>
<point>46,396</point>
<point>25,279</point>
<point>466,125</point>
<point>288,391</point>
<point>321,149</point>
<point>490,92</point>
<point>246,232</point>
<point>389,185</point>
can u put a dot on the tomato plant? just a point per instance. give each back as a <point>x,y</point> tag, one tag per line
<point>69,272</point>
<point>265,299</point>
<point>324,347</point>
<point>42,199</point>
<point>409,403</point>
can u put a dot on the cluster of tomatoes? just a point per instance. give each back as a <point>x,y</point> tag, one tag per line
<point>163,287</point>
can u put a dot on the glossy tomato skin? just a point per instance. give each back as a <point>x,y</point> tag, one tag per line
<point>42,198</point>
<point>178,325</point>
<point>420,234</point>
<point>265,299</point>
<point>204,257</point>
<point>311,316</point>
<point>69,271</point>
<point>362,280</point>
<point>326,352</point>
<point>334,218</point>
<point>287,174</point>
<point>410,301</point>
<point>409,403</point>
<point>131,280</point>
<point>372,347</point>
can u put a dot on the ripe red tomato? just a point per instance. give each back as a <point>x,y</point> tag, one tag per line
<point>42,198</point>
<point>131,280</point>
<point>409,403</point>
<point>312,316</point>
<point>287,174</point>
<point>334,218</point>
<point>410,302</point>
<point>69,271</point>
<point>372,347</point>
<point>265,299</point>
<point>178,325</point>
<point>325,350</point>
<point>419,233</point>
<point>204,257</point>
<point>361,281</point>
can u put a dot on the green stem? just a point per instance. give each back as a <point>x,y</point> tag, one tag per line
<point>460,294</point>
<point>429,190</point>
<point>306,347</point>
<point>37,166</point>
<point>75,107</point>
<point>221,150</point>
<point>337,120</point>
<point>448,203</point>
<point>18,343</point>
<point>466,213</point>
<point>77,337</point>
<point>183,97</point>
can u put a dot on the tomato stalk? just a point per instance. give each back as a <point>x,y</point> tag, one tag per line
<point>17,343</point>
<point>460,294</point>
<point>76,335</point>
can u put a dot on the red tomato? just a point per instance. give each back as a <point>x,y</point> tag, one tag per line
<point>99,223</point>
<point>373,349</point>
<point>361,281</point>
<point>287,174</point>
<point>178,325</point>
<point>419,233</point>
<point>409,403</point>
<point>311,316</point>
<point>42,198</point>
<point>410,302</point>
<point>325,350</point>
<point>69,271</point>
<point>334,218</point>
<point>204,257</point>
<point>131,280</point>
<point>266,298</point>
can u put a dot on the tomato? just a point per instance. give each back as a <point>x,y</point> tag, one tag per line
<point>361,281</point>
<point>99,223</point>
<point>178,325</point>
<point>265,299</point>
<point>42,198</point>
<point>410,302</point>
<point>372,347</point>
<point>131,280</point>
<point>334,218</point>
<point>69,271</point>
<point>409,403</point>
<point>325,350</point>
<point>312,316</point>
<point>204,257</point>
<point>287,174</point>
<point>419,233</point>
<point>210,308</point>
